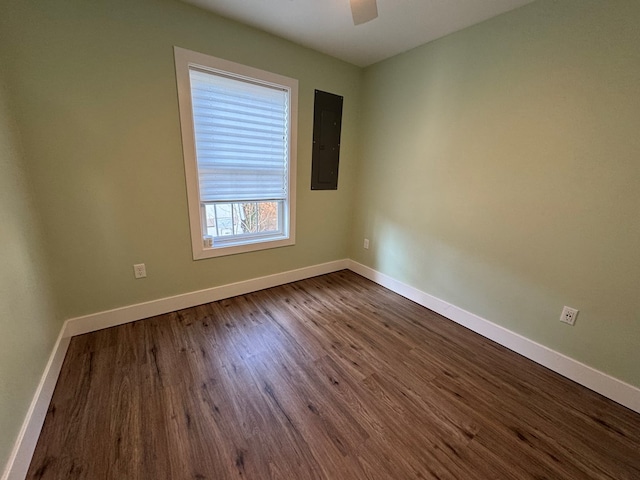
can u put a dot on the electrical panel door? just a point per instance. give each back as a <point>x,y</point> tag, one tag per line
<point>327,123</point>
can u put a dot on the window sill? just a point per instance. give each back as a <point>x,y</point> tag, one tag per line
<point>201,253</point>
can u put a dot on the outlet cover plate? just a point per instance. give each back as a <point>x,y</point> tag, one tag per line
<point>140,270</point>
<point>569,315</point>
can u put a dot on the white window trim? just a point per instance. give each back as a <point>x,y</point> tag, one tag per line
<point>183,60</point>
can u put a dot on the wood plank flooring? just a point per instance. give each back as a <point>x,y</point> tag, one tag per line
<point>328,378</point>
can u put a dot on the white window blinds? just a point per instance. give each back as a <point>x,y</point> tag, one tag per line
<point>241,138</point>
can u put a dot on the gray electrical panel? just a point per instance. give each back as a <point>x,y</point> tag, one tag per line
<point>327,124</point>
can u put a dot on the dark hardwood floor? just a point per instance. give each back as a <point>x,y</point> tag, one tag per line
<point>328,378</point>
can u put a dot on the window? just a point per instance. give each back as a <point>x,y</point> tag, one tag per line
<point>239,143</point>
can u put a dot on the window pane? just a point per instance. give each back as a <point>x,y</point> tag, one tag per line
<point>242,218</point>
<point>259,217</point>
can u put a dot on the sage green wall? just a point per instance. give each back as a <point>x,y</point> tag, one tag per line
<point>500,170</point>
<point>95,94</point>
<point>27,319</point>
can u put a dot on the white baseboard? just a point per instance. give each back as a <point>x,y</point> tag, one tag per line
<point>131,313</point>
<point>600,382</point>
<point>20,458</point>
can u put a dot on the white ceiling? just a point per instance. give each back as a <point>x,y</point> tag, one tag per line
<point>327,26</point>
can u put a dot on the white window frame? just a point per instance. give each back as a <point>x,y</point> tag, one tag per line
<point>184,59</point>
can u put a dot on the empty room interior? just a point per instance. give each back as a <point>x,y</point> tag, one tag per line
<point>419,258</point>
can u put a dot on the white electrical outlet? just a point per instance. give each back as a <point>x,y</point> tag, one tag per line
<point>366,243</point>
<point>569,315</point>
<point>139,270</point>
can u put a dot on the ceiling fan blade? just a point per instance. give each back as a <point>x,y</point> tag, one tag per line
<point>363,11</point>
